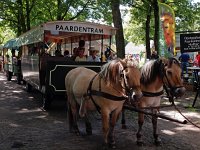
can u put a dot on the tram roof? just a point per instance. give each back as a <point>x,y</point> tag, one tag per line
<point>9,43</point>
<point>65,32</point>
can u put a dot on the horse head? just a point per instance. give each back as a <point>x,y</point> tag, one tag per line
<point>130,75</point>
<point>172,76</point>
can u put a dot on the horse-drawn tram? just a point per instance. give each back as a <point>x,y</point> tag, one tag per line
<point>41,51</point>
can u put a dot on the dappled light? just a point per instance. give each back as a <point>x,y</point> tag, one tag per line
<point>25,110</point>
<point>168,132</point>
<point>14,125</point>
<point>22,116</point>
<point>17,91</point>
<point>188,127</point>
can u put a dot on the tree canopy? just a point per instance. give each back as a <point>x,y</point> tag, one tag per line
<point>21,15</point>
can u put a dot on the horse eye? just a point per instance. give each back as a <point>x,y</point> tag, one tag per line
<point>127,77</point>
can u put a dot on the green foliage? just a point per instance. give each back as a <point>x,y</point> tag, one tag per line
<point>187,18</point>
<point>6,34</point>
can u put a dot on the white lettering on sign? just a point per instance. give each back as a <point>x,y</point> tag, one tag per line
<point>79,29</point>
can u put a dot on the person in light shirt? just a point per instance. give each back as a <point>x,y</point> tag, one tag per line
<point>93,57</point>
<point>81,56</point>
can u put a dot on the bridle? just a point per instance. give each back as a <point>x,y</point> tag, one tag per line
<point>170,90</point>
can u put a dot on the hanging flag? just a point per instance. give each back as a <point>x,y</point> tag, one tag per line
<point>166,30</point>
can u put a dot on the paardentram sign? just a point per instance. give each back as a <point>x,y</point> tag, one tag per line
<point>190,42</point>
<point>79,27</point>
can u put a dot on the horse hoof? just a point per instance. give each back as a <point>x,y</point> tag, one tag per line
<point>105,147</point>
<point>140,143</point>
<point>112,145</point>
<point>158,142</point>
<point>124,126</point>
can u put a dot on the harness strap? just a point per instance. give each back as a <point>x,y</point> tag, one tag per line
<point>108,96</point>
<point>151,94</point>
<point>90,94</point>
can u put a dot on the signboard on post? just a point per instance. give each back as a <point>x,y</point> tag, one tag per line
<point>190,42</point>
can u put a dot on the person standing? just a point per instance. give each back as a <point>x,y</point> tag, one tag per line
<point>184,58</point>
<point>197,60</point>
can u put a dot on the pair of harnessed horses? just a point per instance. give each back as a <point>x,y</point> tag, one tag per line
<point>118,81</point>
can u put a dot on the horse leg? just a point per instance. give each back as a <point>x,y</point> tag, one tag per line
<point>139,133</point>
<point>155,133</point>
<point>111,138</point>
<point>123,121</point>
<point>88,126</point>
<point>105,126</point>
<point>72,118</point>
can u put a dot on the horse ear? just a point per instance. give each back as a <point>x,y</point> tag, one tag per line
<point>164,60</point>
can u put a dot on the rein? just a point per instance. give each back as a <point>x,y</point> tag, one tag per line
<point>170,92</point>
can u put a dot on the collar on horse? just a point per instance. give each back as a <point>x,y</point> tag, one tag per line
<point>152,94</point>
<point>108,96</point>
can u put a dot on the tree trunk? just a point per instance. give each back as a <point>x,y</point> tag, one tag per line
<point>118,24</point>
<point>156,33</point>
<point>148,49</point>
<point>59,16</point>
<point>21,17</point>
<point>28,23</point>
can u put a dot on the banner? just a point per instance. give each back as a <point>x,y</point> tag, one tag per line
<point>166,31</point>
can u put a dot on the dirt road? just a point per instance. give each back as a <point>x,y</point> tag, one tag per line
<point>24,126</point>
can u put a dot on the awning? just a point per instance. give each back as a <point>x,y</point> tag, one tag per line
<point>10,43</point>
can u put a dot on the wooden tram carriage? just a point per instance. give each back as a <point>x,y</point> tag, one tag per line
<point>40,69</point>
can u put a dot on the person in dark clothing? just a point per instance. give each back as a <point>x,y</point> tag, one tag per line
<point>184,58</point>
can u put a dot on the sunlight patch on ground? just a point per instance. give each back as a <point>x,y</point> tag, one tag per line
<point>168,132</point>
<point>2,78</point>
<point>177,115</point>
<point>17,91</point>
<point>14,125</point>
<point>41,116</point>
<point>30,97</point>
<point>24,110</point>
<point>188,128</point>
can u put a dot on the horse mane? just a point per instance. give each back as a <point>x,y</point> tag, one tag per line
<point>150,71</point>
<point>110,72</point>
<point>154,68</point>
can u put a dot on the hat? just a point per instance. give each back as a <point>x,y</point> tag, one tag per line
<point>93,49</point>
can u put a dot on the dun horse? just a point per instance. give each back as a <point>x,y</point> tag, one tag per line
<point>105,91</point>
<point>155,75</point>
